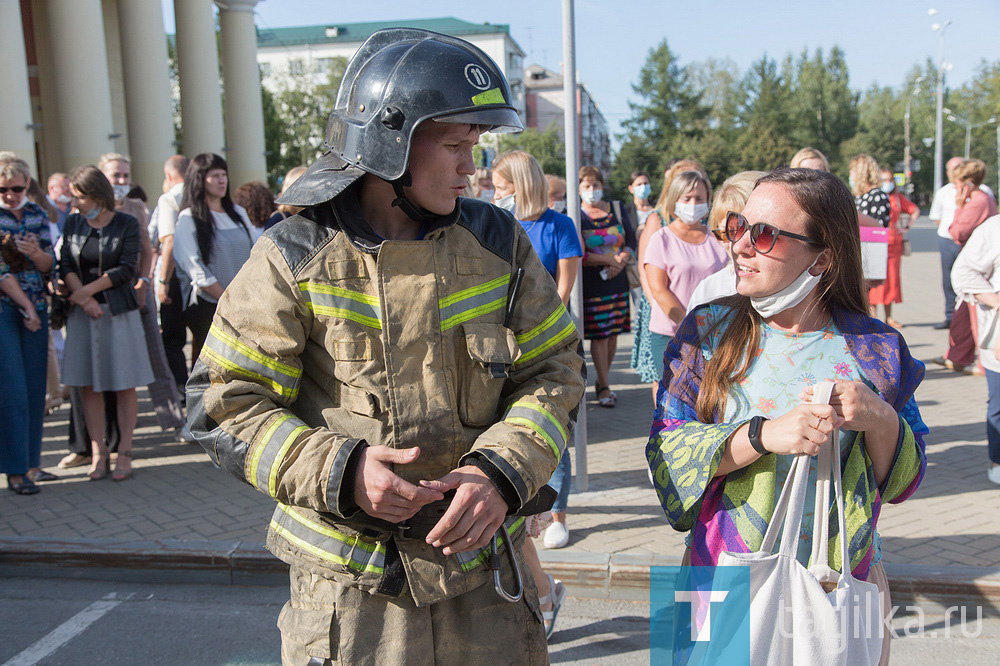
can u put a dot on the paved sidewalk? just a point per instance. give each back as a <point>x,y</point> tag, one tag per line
<point>177,493</point>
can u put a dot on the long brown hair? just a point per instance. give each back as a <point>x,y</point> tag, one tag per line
<point>833,224</point>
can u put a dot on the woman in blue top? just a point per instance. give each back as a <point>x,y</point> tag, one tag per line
<point>519,185</point>
<point>25,261</point>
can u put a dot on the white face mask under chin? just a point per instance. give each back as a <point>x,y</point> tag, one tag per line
<point>18,206</point>
<point>789,297</point>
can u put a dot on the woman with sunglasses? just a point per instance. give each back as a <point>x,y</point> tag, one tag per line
<point>26,258</point>
<point>733,406</point>
<point>678,257</point>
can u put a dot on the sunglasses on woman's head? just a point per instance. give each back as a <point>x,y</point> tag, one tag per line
<point>762,236</point>
<point>16,189</point>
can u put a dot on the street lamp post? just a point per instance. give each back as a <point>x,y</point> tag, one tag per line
<point>939,117</point>
<point>906,136</point>
<point>959,120</point>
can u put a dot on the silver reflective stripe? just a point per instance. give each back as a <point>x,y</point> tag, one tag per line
<point>268,455</point>
<point>475,558</point>
<point>325,299</point>
<point>327,543</point>
<point>557,327</point>
<point>229,352</point>
<point>537,418</point>
<point>473,302</point>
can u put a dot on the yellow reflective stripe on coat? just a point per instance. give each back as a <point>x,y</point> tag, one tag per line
<point>269,453</point>
<point>328,544</point>
<point>325,299</point>
<point>472,559</point>
<point>557,327</point>
<point>230,353</point>
<point>537,418</point>
<point>473,302</point>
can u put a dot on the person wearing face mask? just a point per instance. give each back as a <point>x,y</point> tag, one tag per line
<point>481,185</point>
<point>26,258</point>
<point>163,392</point>
<point>58,196</point>
<point>891,290</point>
<point>557,193</point>
<point>640,207</point>
<point>105,346</point>
<point>679,256</point>
<point>734,405</point>
<point>608,246</point>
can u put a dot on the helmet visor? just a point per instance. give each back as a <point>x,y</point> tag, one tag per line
<point>499,120</point>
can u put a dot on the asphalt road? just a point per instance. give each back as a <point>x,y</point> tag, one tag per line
<point>77,622</point>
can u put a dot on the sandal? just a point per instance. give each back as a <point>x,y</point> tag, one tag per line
<point>121,474</point>
<point>556,596</point>
<point>25,487</point>
<point>100,467</point>
<point>609,399</point>
<point>42,475</point>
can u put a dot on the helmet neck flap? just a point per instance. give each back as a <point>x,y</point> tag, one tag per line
<point>412,210</point>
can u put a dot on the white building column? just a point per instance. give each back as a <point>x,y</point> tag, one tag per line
<point>198,68</point>
<point>241,76</point>
<point>147,90</point>
<point>16,131</point>
<point>81,85</point>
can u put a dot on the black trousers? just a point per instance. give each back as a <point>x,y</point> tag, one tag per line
<point>199,320</point>
<point>173,328</point>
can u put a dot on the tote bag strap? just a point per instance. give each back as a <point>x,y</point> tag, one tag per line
<point>788,510</point>
<point>827,467</point>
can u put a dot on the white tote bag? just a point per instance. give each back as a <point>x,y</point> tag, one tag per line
<point>793,620</point>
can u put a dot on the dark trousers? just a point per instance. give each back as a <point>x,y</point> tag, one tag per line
<point>961,336</point>
<point>199,320</point>
<point>949,253</point>
<point>79,440</point>
<point>993,415</point>
<point>173,328</point>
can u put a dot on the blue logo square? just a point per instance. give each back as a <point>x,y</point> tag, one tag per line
<point>699,616</point>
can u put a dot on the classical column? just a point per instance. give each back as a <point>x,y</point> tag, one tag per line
<point>16,132</point>
<point>198,65</point>
<point>80,80</point>
<point>241,77</point>
<point>147,90</point>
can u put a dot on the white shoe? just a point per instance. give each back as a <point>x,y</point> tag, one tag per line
<point>556,535</point>
<point>993,475</point>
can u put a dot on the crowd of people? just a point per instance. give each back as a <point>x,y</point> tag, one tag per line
<point>99,295</point>
<point>82,321</point>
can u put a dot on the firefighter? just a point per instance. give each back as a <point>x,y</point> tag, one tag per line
<point>395,368</point>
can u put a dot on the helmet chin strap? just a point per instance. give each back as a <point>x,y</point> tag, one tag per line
<point>412,210</point>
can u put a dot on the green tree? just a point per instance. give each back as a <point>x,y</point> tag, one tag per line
<point>764,143</point>
<point>546,146</point>
<point>822,107</point>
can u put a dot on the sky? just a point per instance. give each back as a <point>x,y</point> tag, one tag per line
<point>882,40</point>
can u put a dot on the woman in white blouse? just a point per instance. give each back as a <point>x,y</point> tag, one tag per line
<point>976,278</point>
<point>212,241</point>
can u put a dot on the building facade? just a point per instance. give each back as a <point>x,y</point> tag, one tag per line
<point>545,106</point>
<point>86,77</point>
<point>310,50</point>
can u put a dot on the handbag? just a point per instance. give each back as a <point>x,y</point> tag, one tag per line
<point>632,267</point>
<point>799,616</point>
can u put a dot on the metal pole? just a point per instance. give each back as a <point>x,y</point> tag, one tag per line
<point>968,139</point>
<point>906,146</point>
<point>998,160</point>
<point>939,117</point>
<point>570,124</point>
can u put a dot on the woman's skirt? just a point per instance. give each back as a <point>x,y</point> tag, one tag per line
<point>648,368</point>
<point>605,316</point>
<point>108,353</point>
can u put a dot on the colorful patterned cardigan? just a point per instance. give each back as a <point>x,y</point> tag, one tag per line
<point>731,513</point>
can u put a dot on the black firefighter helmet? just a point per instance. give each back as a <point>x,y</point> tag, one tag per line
<point>399,78</point>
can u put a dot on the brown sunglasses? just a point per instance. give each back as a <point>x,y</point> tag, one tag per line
<point>763,236</point>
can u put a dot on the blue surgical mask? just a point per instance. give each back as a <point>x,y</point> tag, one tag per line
<point>92,213</point>
<point>888,186</point>
<point>641,191</point>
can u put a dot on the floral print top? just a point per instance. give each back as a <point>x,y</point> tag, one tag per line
<point>33,221</point>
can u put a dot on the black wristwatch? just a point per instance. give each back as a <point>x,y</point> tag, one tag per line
<point>756,425</point>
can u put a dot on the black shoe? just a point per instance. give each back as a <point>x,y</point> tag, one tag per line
<point>26,487</point>
<point>42,475</point>
<point>943,325</point>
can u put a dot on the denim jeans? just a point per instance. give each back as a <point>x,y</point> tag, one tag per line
<point>23,366</point>
<point>993,415</point>
<point>949,253</point>
<point>562,480</point>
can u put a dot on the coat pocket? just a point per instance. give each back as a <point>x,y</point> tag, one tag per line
<point>490,351</point>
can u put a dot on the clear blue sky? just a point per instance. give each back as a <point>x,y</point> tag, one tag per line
<point>882,39</point>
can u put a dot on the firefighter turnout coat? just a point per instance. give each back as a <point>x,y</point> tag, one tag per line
<point>330,339</point>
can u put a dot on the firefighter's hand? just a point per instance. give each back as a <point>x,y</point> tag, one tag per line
<point>382,494</point>
<point>474,515</point>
